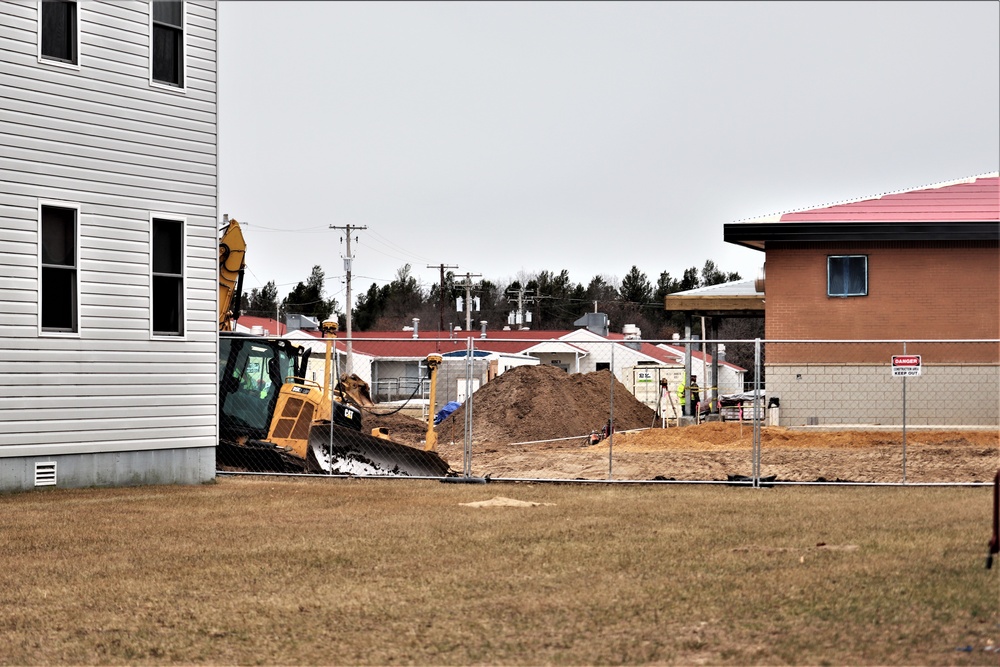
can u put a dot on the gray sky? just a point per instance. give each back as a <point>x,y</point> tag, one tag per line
<point>510,138</point>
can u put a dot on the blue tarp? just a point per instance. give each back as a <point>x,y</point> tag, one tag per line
<point>443,413</point>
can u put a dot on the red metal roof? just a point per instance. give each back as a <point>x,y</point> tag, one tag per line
<point>267,323</point>
<point>402,344</point>
<point>676,352</point>
<point>973,200</point>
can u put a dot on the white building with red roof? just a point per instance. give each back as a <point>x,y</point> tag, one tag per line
<point>393,363</point>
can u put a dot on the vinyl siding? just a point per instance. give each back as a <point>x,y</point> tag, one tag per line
<point>104,138</point>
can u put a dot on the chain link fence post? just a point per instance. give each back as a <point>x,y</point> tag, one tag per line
<point>758,413</point>
<point>904,420</point>
<point>611,418</point>
<point>467,445</point>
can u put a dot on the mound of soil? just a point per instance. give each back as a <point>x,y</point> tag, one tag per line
<point>531,403</point>
<point>402,428</point>
<point>528,404</point>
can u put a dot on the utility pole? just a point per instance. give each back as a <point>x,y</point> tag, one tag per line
<point>441,291</point>
<point>468,299</point>
<point>522,298</point>
<point>348,259</point>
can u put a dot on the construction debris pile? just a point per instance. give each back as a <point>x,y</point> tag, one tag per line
<point>532,403</point>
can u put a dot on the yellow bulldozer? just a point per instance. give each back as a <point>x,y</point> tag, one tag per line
<point>273,419</point>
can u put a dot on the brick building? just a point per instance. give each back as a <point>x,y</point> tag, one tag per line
<point>918,268</point>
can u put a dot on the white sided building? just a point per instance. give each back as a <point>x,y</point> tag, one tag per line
<point>108,243</point>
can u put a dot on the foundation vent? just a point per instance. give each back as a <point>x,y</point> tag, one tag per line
<point>45,474</point>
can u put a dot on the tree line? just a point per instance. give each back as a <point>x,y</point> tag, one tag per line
<point>553,300</point>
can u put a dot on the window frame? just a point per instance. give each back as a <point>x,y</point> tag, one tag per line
<point>73,63</point>
<point>180,86</point>
<point>181,334</point>
<point>74,330</point>
<point>845,294</point>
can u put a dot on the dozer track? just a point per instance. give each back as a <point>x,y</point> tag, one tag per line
<point>353,453</point>
<point>260,456</point>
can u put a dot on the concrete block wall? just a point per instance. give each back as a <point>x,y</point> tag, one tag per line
<point>946,395</point>
<point>127,468</point>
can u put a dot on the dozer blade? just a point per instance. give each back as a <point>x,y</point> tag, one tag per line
<point>356,453</point>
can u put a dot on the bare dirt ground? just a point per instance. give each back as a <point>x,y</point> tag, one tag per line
<point>534,421</point>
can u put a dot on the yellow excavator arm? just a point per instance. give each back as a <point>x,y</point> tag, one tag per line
<point>430,440</point>
<point>232,251</point>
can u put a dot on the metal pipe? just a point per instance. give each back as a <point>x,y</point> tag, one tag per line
<point>757,414</point>
<point>553,480</point>
<point>611,419</point>
<point>904,420</point>
<point>467,451</point>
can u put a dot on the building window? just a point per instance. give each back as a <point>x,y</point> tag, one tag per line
<point>58,31</point>
<point>168,277</point>
<point>59,269</point>
<point>168,43</point>
<point>847,275</point>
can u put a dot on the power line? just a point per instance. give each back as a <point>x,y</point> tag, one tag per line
<point>348,261</point>
<point>406,252</point>
<point>523,298</point>
<point>468,299</point>
<point>442,267</point>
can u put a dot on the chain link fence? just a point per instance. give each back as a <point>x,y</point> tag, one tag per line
<point>583,408</point>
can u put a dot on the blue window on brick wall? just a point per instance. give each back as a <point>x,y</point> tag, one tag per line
<point>847,275</point>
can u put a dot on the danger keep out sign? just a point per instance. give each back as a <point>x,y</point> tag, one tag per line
<point>906,365</point>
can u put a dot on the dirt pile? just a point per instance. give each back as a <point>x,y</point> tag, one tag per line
<point>402,428</point>
<point>713,436</point>
<point>530,403</point>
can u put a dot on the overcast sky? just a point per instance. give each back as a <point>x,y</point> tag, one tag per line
<point>515,137</point>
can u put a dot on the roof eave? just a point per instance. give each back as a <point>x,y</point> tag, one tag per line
<point>717,306</point>
<point>757,234</point>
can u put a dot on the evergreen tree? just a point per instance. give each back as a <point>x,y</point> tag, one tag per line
<point>401,301</point>
<point>690,280</point>
<point>393,305</point>
<point>635,287</point>
<point>666,324</point>
<point>711,275</point>
<point>441,298</point>
<point>493,304</point>
<point>551,292</point>
<point>307,298</point>
<point>601,290</point>
<point>263,302</point>
<point>368,309</point>
<point>554,300</point>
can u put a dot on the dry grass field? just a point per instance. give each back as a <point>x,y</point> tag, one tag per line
<point>378,572</point>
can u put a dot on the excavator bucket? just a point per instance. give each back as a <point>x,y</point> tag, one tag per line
<point>355,390</point>
<point>343,450</point>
